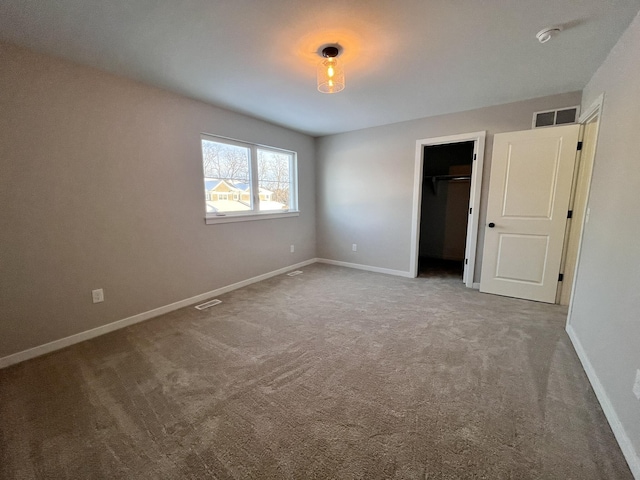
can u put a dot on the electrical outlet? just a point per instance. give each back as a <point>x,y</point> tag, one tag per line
<point>636,385</point>
<point>97,295</point>
<point>354,247</point>
<point>293,248</point>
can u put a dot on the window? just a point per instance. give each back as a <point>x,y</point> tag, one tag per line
<point>243,181</point>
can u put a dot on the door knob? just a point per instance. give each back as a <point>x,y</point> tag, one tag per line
<point>491,225</point>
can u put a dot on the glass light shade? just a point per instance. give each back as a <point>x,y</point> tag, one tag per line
<point>330,76</point>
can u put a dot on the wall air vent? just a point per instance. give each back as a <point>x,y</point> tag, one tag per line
<point>549,118</point>
<point>208,304</point>
<point>293,274</point>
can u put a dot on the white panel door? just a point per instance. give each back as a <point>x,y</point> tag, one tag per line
<point>529,190</point>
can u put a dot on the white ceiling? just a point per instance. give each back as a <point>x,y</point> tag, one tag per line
<point>404,59</point>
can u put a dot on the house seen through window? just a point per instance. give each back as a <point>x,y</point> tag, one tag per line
<point>242,178</point>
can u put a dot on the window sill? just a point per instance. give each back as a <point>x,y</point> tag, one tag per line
<point>231,218</point>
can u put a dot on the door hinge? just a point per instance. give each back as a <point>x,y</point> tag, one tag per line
<point>466,261</point>
<point>474,156</point>
<point>560,277</point>
<point>579,145</point>
<point>470,210</point>
<point>570,214</point>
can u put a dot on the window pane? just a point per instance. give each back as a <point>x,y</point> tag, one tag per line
<point>227,182</point>
<point>566,116</point>
<point>274,179</point>
<point>545,119</point>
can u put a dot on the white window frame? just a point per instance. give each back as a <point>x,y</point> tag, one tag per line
<point>254,213</point>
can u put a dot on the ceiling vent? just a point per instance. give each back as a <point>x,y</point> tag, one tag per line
<point>549,118</point>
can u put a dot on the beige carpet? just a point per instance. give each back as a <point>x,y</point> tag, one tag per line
<point>335,373</point>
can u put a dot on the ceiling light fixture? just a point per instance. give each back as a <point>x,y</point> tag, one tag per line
<point>330,73</point>
<point>547,33</point>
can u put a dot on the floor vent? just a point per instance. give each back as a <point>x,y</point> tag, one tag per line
<point>208,304</point>
<point>293,274</point>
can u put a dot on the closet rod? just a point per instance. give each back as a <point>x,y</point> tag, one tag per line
<point>449,177</point>
<point>437,178</point>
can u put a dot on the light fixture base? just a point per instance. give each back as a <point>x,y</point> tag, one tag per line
<point>330,51</point>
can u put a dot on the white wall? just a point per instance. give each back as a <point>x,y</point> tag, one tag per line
<point>365,180</point>
<point>605,313</point>
<point>101,187</point>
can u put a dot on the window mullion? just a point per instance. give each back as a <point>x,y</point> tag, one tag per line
<point>293,184</point>
<point>255,190</point>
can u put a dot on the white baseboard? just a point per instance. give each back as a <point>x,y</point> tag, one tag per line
<point>388,271</point>
<point>476,285</point>
<point>626,446</point>
<point>141,317</point>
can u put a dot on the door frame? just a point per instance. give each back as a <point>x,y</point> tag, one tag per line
<point>595,110</point>
<point>478,139</point>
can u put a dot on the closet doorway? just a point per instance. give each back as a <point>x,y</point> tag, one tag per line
<point>446,205</point>
<point>446,189</point>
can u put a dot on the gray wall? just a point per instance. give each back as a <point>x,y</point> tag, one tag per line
<point>606,300</point>
<point>101,187</point>
<point>365,180</point>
